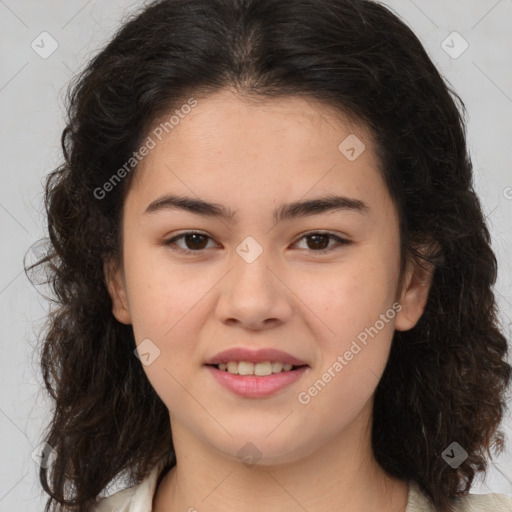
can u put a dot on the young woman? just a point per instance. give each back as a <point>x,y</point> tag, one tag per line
<point>272,273</point>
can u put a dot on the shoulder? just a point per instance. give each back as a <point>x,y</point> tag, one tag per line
<point>138,498</point>
<point>484,503</point>
<point>118,502</point>
<point>418,502</point>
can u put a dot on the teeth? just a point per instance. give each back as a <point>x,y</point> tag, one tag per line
<point>277,367</point>
<point>245,368</point>
<point>232,367</point>
<point>262,369</point>
<point>259,369</point>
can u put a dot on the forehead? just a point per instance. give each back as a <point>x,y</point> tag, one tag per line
<point>248,147</point>
<point>227,122</point>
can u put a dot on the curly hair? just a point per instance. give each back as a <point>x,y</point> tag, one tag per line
<point>445,379</point>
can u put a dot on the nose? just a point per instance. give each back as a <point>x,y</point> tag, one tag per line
<point>254,294</point>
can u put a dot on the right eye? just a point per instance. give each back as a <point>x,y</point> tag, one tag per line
<point>194,242</point>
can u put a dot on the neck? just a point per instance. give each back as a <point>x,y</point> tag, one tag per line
<point>341,475</point>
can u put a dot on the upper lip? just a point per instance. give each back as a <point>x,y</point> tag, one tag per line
<point>254,356</point>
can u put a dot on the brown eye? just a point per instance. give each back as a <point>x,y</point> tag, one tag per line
<point>318,242</point>
<point>193,242</point>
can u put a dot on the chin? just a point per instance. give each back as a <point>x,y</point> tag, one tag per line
<point>264,449</point>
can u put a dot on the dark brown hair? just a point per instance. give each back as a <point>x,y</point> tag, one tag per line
<point>445,379</point>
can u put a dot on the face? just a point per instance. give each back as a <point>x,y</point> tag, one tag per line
<point>318,282</point>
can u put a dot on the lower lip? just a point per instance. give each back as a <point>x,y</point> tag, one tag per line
<point>251,386</point>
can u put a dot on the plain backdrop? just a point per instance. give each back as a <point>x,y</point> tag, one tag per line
<point>46,42</point>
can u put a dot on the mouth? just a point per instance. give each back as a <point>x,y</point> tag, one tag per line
<point>259,369</point>
<point>241,360</point>
<point>253,373</point>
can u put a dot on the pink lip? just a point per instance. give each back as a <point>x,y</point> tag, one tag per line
<point>251,386</point>
<point>254,356</point>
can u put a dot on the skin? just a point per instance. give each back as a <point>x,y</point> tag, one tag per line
<point>252,157</point>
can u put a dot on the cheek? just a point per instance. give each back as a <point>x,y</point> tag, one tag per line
<point>354,296</point>
<point>167,308</point>
<point>167,311</point>
<point>357,308</point>
<point>161,295</point>
<point>351,360</point>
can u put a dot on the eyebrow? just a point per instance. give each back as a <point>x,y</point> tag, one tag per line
<point>286,211</point>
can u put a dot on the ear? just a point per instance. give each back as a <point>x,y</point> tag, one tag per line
<point>116,286</point>
<point>414,294</point>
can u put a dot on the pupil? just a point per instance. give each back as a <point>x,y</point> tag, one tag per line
<point>316,241</point>
<point>194,237</point>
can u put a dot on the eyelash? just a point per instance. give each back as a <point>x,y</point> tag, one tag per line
<point>341,242</point>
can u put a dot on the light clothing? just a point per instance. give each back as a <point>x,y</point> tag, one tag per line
<point>139,498</point>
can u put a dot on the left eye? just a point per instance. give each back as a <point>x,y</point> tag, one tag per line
<point>317,242</point>
<point>320,241</point>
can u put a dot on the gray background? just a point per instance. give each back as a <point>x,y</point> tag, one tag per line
<point>31,110</point>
